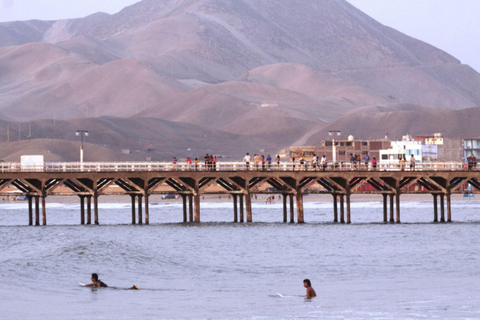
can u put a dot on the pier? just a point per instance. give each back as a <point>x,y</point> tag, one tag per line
<point>91,181</point>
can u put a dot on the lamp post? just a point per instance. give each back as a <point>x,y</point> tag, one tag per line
<point>334,133</point>
<point>81,133</point>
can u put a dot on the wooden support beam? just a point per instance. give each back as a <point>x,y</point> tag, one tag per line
<point>385,217</point>
<point>435,207</point>
<point>349,219</point>
<point>37,210</point>
<point>196,199</point>
<point>82,210</point>
<point>95,208</point>
<point>335,208</point>
<point>89,209</point>
<point>248,206</point>
<point>342,208</point>
<point>30,210</point>
<point>184,199</point>
<point>147,208</point>
<point>397,206</point>
<point>190,207</point>
<point>241,208</point>
<point>235,208</point>
<point>292,215</point>
<point>300,214</point>
<point>449,207</point>
<point>284,208</point>
<point>134,213</point>
<point>391,209</point>
<point>442,207</point>
<point>140,209</point>
<point>44,210</point>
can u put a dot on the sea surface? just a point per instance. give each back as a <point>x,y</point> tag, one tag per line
<point>223,270</point>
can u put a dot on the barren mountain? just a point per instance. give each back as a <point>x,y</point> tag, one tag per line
<point>267,71</point>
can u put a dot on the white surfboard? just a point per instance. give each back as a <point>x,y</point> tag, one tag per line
<point>279,294</point>
<point>82,284</point>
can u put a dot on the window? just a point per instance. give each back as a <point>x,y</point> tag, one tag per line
<point>384,156</point>
<point>341,153</point>
<point>364,143</point>
<point>328,143</point>
<point>349,144</point>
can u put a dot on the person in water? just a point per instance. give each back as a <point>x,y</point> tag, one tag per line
<point>310,291</point>
<point>100,284</point>
<point>96,282</point>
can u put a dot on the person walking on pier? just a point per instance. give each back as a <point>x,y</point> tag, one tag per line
<point>323,162</point>
<point>412,163</point>
<point>366,158</point>
<point>263,162</point>
<point>269,162</point>
<point>374,163</point>
<point>247,161</point>
<point>196,164</point>
<point>278,162</point>
<point>174,164</point>
<point>310,291</point>
<point>256,160</point>
<point>189,164</point>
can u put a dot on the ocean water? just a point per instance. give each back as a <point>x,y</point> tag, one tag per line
<point>221,270</point>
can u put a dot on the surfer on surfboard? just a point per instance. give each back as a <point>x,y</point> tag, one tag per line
<point>100,284</point>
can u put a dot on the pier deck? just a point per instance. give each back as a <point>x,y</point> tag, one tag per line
<point>89,181</point>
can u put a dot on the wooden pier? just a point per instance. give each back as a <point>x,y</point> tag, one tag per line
<point>90,181</point>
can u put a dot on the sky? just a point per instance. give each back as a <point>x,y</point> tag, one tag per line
<point>450,25</point>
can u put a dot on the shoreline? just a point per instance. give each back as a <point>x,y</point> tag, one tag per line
<point>261,198</point>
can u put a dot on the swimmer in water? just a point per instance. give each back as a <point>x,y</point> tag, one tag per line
<point>100,284</point>
<point>96,282</point>
<point>310,291</point>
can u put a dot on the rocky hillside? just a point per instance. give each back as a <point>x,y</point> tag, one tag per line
<point>270,71</point>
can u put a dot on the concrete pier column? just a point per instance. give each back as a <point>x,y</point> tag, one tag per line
<point>196,200</point>
<point>184,199</point>
<point>449,207</point>
<point>248,207</point>
<point>140,209</point>
<point>391,209</point>
<point>44,210</point>
<point>95,208</point>
<point>89,209</point>
<point>435,207</point>
<point>397,206</point>
<point>349,220</point>
<point>147,208</point>
<point>190,207</point>
<point>335,208</point>
<point>134,213</point>
<point>385,217</point>
<point>241,208</point>
<point>300,214</point>
<point>30,211</point>
<point>82,210</point>
<point>342,208</point>
<point>285,218</point>
<point>235,208</point>
<point>442,207</point>
<point>37,210</point>
<point>292,214</point>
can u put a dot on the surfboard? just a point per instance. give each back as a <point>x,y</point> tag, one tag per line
<point>279,294</point>
<point>82,284</point>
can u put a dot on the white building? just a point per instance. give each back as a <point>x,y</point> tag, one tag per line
<point>402,149</point>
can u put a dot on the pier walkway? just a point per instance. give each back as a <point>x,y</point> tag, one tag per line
<point>90,181</point>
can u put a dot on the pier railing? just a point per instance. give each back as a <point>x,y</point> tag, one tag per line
<point>226,166</point>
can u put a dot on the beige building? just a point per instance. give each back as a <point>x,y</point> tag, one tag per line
<point>343,149</point>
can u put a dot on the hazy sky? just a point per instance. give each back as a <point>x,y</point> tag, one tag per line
<point>451,25</point>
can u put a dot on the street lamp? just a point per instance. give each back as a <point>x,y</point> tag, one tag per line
<point>81,133</point>
<point>334,133</point>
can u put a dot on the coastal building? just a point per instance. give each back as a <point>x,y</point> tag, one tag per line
<point>402,149</point>
<point>343,149</point>
<point>471,146</point>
